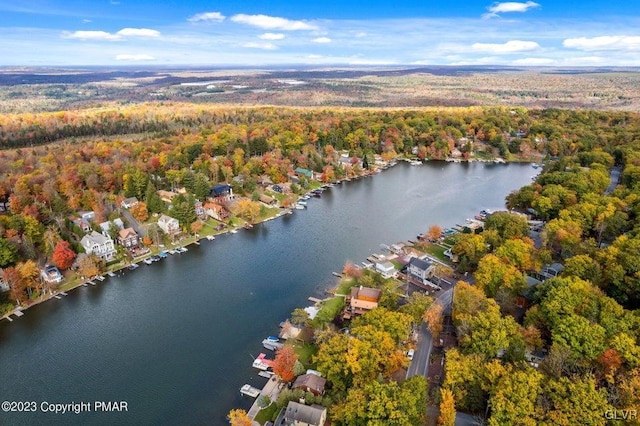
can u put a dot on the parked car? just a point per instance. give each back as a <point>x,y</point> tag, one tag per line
<point>410,354</point>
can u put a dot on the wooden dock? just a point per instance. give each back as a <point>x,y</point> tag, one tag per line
<point>272,390</point>
<point>18,313</point>
<point>314,300</point>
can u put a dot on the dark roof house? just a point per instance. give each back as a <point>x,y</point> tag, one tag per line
<point>310,383</point>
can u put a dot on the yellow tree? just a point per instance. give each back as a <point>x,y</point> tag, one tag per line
<point>29,273</point>
<point>238,417</point>
<point>447,408</point>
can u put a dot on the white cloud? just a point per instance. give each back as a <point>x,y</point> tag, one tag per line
<point>272,22</point>
<point>603,43</point>
<point>207,16</point>
<point>138,32</point>
<point>512,46</point>
<point>139,57</point>
<point>321,40</point>
<point>91,35</point>
<point>263,46</point>
<point>508,7</point>
<point>86,21</point>
<point>534,61</point>
<point>271,36</point>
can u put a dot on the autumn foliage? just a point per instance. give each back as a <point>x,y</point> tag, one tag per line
<point>63,256</point>
<point>284,363</point>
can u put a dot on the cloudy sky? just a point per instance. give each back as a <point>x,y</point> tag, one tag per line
<point>340,32</point>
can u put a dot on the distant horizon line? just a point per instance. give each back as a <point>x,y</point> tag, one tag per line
<point>308,66</point>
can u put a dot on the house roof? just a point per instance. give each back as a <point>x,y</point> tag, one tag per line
<point>130,200</point>
<point>366,292</point>
<point>385,265</point>
<point>266,199</point>
<point>127,232</point>
<point>165,218</point>
<point>420,263</point>
<point>94,238</point>
<point>220,189</point>
<point>307,173</point>
<point>310,381</point>
<point>309,414</point>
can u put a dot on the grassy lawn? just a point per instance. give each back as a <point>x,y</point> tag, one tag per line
<point>345,285</point>
<point>397,264</point>
<point>328,311</point>
<point>305,352</point>
<point>437,252</point>
<point>267,414</point>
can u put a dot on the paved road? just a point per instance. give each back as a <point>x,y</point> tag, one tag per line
<point>134,223</point>
<point>614,175</point>
<point>420,364</point>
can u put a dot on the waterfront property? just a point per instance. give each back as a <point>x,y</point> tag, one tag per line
<point>100,245</point>
<point>386,268</point>
<point>128,238</point>
<point>361,300</point>
<point>169,225</point>
<point>51,275</point>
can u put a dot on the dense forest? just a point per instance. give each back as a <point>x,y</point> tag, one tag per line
<point>586,320</point>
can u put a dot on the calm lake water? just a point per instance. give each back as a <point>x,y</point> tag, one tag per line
<point>175,339</point>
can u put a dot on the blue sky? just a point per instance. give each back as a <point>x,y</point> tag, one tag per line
<point>357,32</point>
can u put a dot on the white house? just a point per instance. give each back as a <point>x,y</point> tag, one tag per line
<point>420,269</point>
<point>386,268</point>
<point>169,225</point>
<point>51,275</point>
<point>98,244</point>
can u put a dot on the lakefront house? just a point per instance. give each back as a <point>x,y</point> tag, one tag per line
<point>100,245</point>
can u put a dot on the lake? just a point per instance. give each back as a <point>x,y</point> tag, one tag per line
<point>175,339</point>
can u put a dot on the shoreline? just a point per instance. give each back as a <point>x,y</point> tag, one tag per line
<point>18,311</point>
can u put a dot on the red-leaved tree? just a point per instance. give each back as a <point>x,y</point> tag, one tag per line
<point>63,256</point>
<point>283,364</point>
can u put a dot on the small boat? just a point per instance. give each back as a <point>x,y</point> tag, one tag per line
<point>148,261</point>
<point>271,345</point>
<point>172,251</point>
<point>302,203</point>
<point>247,226</point>
<point>234,231</point>
<point>337,274</point>
<point>162,254</point>
<point>249,390</point>
<point>273,339</point>
<point>111,274</point>
<point>99,277</point>
<point>155,258</point>
<point>535,165</point>
<point>266,374</point>
<point>133,266</point>
<point>262,363</point>
<point>299,206</point>
<point>210,237</point>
